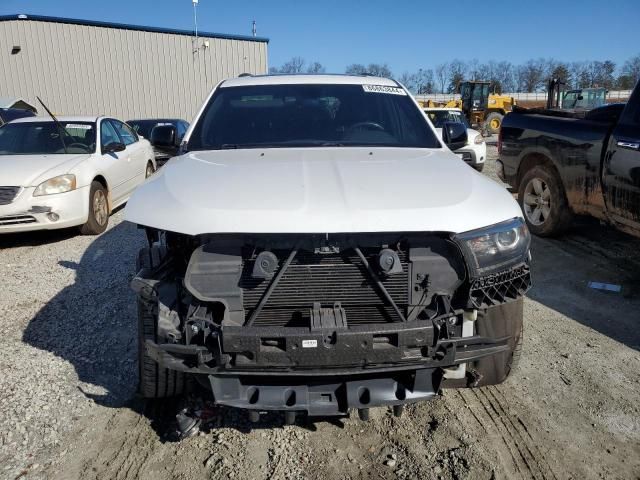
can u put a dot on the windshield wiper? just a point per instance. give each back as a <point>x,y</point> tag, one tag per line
<point>61,129</point>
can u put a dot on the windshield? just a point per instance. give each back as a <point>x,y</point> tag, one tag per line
<point>440,117</point>
<point>310,116</point>
<point>40,138</point>
<point>144,127</point>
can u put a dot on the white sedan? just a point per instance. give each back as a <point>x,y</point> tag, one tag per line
<point>474,152</point>
<point>71,173</point>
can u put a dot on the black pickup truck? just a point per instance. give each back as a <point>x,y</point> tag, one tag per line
<point>564,163</point>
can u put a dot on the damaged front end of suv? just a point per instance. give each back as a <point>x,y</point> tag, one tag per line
<point>324,323</point>
<point>320,250</point>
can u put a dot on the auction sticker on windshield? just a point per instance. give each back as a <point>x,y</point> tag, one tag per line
<point>383,89</point>
<point>78,126</point>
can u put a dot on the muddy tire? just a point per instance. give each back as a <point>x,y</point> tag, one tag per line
<point>544,203</point>
<point>155,381</point>
<point>501,321</point>
<point>493,122</point>
<point>479,167</point>
<point>98,210</point>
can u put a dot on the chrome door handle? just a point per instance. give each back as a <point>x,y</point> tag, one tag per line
<point>628,145</point>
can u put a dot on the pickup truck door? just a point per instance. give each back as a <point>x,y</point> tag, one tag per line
<point>621,169</point>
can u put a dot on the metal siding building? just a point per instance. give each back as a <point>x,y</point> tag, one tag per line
<point>125,71</point>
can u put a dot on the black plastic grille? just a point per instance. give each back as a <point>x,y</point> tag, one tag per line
<point>8,194</point>
<point>329,278</point>
<point>500,287</point>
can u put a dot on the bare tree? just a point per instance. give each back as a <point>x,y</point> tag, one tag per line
<point>442,75</point>
<point>356,69</point>
<point>295,65</point>
<point>474,70</point>
<point>457,71</point>
<point>316,67</point>
<point>379,70</point>
<point>579,74</point>
<point>409,81</point>
<point>376,69</point>
<point>531,75</point>
<point>424,81</point>
<point>631,69</point>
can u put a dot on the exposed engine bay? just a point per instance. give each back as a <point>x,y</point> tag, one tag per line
<point>305,302</point>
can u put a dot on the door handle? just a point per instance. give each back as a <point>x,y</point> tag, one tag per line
<point>628,145</point>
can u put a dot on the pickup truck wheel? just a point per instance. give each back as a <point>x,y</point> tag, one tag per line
<point>543,201</point>
<point>155,381</point>
<point>493,122</point>
<point>98,210</point>
<point>495,322</point>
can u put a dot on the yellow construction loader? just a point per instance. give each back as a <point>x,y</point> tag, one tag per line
<point>481,108</point>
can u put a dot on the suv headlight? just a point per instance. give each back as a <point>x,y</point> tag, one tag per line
<point>60,184</point>
<point>495,248</point>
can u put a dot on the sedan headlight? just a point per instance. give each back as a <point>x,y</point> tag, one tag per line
<point>478,140</point>
<point>60,184</point>
<point>495,248</point>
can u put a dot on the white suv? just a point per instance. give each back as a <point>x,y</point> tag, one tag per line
<point>320,249</point>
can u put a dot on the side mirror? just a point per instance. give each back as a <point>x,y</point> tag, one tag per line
<point>114,147</point>
<point>165,138</point>
<point>454,135</point>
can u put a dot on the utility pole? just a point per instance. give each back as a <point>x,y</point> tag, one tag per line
<point>254,30</point>
<point>196,46</point>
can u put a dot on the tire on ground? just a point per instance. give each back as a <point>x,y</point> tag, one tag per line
<point>155,381</point>
<point>493,116</point>
<point>496,322</point>
<point>560,216</point>
<point>92,227</point>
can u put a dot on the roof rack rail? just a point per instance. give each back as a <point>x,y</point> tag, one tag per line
<point>245,75</point>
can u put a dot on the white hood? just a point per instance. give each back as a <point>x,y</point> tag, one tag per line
<point>31,170</point>
<point>319,190</point>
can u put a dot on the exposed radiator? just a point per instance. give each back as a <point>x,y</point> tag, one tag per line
<point>325,278</point>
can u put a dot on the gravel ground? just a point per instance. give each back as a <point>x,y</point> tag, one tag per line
<point>67,391</point>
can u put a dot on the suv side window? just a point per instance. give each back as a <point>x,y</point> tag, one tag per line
<point>108,134</point>
<point>126,133</point>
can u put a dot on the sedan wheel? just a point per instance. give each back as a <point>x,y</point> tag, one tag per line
<point>100,210</point>
<point>149,170</point>
<point>537,201</point>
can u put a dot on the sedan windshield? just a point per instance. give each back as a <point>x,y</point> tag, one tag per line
<point>309,115</point>
<point>47,138</point>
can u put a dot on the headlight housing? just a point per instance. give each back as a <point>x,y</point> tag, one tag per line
<point>59,184</point>
<point>478,140</point>
<point>495,248</point>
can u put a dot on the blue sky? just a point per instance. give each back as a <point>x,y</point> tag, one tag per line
<point>406,35</point>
